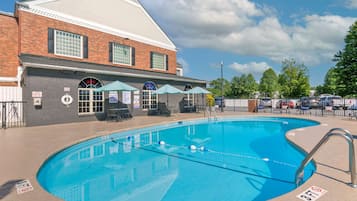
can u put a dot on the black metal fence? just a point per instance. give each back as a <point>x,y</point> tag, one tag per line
<point>313,112</point>
<point>12,114</point>
<point>347,108</point>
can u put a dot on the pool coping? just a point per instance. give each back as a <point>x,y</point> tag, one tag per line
<point>25,161</point>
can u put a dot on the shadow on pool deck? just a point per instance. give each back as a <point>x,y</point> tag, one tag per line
<point>7,187</point>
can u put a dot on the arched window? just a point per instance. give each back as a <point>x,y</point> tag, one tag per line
<point>149,97</point>
<point>89,101</point>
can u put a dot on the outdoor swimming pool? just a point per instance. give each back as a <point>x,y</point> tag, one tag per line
<point>228,159</point>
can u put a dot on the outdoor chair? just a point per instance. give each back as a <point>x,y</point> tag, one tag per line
<point>160,110</point>
<point>163,110</point>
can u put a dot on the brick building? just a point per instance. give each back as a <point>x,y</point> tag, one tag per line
<point>57,48</point>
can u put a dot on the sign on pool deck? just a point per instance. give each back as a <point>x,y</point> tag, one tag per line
<point>311,194</point>
<point>23,186</point>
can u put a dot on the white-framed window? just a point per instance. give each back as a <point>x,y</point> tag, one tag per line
<point>149,96</point>
<point>68,44</point>
<point>90,101</point>
<point>190,99</point>
<point>122,54</point>
<point>159,61</point>
<point>149,100</point>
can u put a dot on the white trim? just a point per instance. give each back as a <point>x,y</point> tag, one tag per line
<point>130,54</point>
<point>55,44</point>
<point>133,3</point>
<point>14,79</point>
<point>8,79</point>
<point>91,101</point>
<point>32,3</point>
<point>32,8</point>
<point>164,62</point>
<point>56,67</point>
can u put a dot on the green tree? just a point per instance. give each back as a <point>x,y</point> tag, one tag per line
<point>330,84</point>
<point>269,83</point>
<point>216,87</point>
<point>252,85</point>
<point>346,65</point>
<point>294,81</point>
<point>243,86</point>
<point>320,89</point>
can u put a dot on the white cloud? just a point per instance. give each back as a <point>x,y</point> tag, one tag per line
<point>252,67</point>
<point>245,28</point>
<point>352,4</point>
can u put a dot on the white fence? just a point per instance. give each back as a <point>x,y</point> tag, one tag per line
<point>11,107</point>
<point>10,94</point>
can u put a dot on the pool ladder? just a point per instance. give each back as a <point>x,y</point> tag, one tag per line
<point>299,176</point>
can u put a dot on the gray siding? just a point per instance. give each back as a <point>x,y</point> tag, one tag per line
<point>53,82</point>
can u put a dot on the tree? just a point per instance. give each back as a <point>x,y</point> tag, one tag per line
<point>294,81</point>
<point>243,86</point>
<point>216,87</point>
<point>320,89</point>
<point>330,84</point>
<point>252,85</point>
<point>346,65</point>
<point>269,83</point>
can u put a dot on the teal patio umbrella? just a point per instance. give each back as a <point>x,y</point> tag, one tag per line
<point>116,86</point>
<point>168,89</point>
<point>198,90</point>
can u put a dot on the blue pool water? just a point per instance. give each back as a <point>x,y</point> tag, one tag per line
<point>235,159</point>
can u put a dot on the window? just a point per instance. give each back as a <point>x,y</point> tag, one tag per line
<point>149,97</point>
<point>89,101</point>
<point>121,54</point>
<point>159,61</point>
<point>190,97</point>
<point>68,44</point>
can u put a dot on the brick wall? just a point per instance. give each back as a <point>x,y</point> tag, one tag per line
<point>8,48</point>
<point>33,30</point>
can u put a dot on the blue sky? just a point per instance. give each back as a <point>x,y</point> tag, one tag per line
<point>251,36</point>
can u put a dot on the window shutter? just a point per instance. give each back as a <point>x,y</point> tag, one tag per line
<point>85,47</point>
<point>51,41</point>
<point>167,61</point>
<point>151,60</point>
<point>132,56</point>
<point>110,52</point>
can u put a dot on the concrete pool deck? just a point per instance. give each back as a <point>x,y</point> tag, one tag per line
<point>23,151</point>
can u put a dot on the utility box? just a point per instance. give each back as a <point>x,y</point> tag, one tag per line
<point>252,105</point>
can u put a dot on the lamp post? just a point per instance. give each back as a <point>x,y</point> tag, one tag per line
<point>222,86</point>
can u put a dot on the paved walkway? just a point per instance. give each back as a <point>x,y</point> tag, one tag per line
<point>23,150</point>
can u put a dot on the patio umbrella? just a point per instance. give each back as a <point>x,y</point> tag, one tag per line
<point>116,86</point>
<point>198,90</point>
<point>168,89</point>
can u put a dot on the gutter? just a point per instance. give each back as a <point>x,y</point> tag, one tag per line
<point>57,67</point>
<point>14,79</point>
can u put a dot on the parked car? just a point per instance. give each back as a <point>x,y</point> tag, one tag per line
<point>314,102</point>
<point>303,102</point>
<point>266,102</point>
<point>219,101</point>
<point>352,107</point>
<point>334,101</point>
<point>285,104</point>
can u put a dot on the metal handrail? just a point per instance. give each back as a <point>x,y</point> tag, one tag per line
<point>299,176</point>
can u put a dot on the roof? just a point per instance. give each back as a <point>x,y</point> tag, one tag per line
<point>34,61</point>
<point>124,18</point>
<point>6,13</point>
